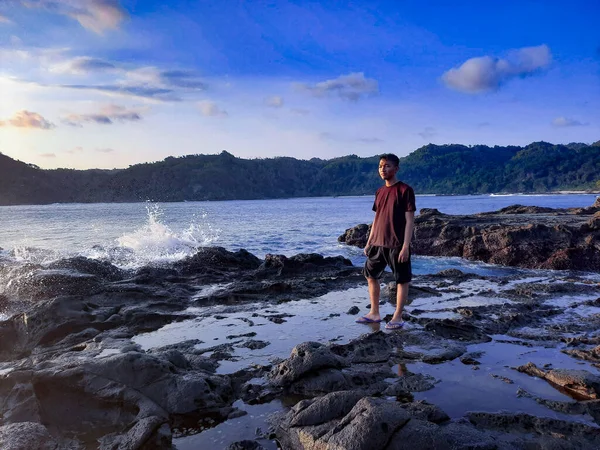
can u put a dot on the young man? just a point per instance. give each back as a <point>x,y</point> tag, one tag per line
<point>389,241</point>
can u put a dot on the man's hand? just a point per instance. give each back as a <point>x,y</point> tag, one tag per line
<point>404,255</point>
<point>366,250</point>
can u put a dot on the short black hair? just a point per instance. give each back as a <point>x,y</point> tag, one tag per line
<point>390,157</point>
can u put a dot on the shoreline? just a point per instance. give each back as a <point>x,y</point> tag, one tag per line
<point>148,201</point>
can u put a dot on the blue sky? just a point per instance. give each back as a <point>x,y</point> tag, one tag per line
<point>109,83</point>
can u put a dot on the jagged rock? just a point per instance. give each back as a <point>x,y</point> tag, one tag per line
<point>425,411</point>
<point>357,235</point>
<point>369,424</point>
<point>368,348</point>
<point>459,330</point>
<point>522,236</point>
<point>550,432</point>
<point>102,269</point>
<point>245,445</point>
<point>324,409</point>
<point>579,383</point>
<point>411,382</point>
<point>471,358</point>
<point>254,344</point>
<point>26,436</point>
<point>217,258</point>
<point>305,358</point>
<point>303,263</point>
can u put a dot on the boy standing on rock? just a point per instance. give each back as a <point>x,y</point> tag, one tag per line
<point>389,241</point>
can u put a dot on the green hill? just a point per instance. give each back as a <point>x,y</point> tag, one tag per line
<point>432,169</point>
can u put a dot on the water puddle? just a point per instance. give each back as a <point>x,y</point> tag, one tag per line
<point>250,426</point>
<point>495,385</point>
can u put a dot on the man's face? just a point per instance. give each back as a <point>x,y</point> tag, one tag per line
<point>387,170</point>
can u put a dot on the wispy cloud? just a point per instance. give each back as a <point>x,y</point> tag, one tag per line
<point>75,150</point>
<point>35,56</point>
<point>48,155</point>
<point>185,79</point>
<point>28,119</point>
<point>370,140</point>
<point>274,102</point>
<point>428,133</point>
<point>211,109</point>
<point>107,115</point>
<point>4,19</point>
<point>94,15</point>
<point>300,111</point>
<point>567,122</point>
<point>327,136</point>
<point>105,150</point>
<point>145,92</point>
<point>83,65</point>
<point>488,73</point>
<point>353,86</point>
<point>146,82</point>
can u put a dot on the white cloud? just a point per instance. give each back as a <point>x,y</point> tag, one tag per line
<point>487,73</point>
<point>274,102</point>
<point>28,119</point>
<point>348,87</point>
<point>107,115</point>
<point>94,15</point>
<point>75,150</point>
<point>4,19</point>
<point>48,155</point>
<point>567,122</point>
<point>211,109</point>
<point>105,150</point>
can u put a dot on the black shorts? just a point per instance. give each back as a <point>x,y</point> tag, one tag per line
<point>379,257</point>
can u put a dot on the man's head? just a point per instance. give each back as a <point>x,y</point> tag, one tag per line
<point>388,166</point>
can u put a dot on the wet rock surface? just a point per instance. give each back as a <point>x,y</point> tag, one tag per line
<point>77,352</point>
<point>522,236</point>
<point>70,352</point>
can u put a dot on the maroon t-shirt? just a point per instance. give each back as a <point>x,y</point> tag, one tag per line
<point>390,205</point>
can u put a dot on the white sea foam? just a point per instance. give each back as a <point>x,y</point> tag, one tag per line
<point>155,242</point>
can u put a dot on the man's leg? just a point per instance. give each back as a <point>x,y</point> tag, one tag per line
<point>374,291</point>
<point>401,298</point>
<point>374,267</point>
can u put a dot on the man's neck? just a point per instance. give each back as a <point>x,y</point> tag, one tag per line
<point>391,182</point>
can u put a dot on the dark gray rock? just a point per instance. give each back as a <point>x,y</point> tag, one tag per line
<point>245,445</point>
<point>353,310</point>
<point>323,409</point>
<point>305,358</point>
<point>425,411</point>
<point>26,436</point>
<point>369,424</point>
<point>411,382</point>
<point>254,344</point>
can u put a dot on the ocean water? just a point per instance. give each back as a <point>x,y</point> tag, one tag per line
<point>132,235</point>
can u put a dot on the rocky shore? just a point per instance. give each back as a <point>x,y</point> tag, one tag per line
<point>196,354</point>
<point>520,236</point>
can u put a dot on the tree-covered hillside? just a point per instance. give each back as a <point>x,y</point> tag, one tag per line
<point>432,169</point>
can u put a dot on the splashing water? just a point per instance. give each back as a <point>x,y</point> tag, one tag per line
<point>155,242</point>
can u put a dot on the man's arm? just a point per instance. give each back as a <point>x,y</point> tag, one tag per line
<point>408,233</point>
<point>368,242</point>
